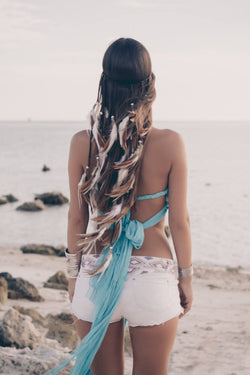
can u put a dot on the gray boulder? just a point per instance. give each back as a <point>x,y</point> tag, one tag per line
<point>59,250</point>
<point>17,330</point>
<point>52,198</point>
<point>6,275</point>
<point>57,281</point>
<point>37,318</point>
<point>37,205</point>
<point>31,361</point>
<point>38,249</point>
<point>20,288</point>
<point>3,200</point>
<point>43,249</point>
<point>61,328</point>
<point>45,168</point>
<point>11,198</point>
<point>3,290</point>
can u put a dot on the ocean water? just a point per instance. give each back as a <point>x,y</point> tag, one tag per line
<point>218,156</point>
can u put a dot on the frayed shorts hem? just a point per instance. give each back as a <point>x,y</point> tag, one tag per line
<point>148,324</point>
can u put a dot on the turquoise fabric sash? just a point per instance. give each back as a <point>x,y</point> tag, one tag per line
<point>106,292</point>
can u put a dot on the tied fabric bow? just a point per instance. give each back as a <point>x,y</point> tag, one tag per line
<point>133,230</point>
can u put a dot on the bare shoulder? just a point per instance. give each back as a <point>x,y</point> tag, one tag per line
<point>169,141</point>
<point>80,137</point>
<point>79,145</point>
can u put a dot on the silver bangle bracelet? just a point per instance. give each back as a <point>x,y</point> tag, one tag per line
<point>72,264</point>
<point>185,272</point>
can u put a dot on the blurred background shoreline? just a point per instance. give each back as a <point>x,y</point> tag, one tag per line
<point>218,153</point>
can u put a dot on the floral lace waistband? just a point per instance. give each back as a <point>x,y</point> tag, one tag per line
<point>138,264</point>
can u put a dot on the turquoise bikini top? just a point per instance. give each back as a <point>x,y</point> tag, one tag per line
<point>160,214</point>
<point>105,292</point>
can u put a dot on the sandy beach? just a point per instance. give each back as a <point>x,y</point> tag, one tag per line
<point>213,337</point>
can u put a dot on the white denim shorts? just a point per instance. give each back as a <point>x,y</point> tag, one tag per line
<point>150,295</point>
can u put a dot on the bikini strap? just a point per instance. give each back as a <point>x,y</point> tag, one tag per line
<point>152,196</point>
<point>156,218</point>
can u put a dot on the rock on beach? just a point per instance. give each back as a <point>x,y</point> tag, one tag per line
<point>3,200</point>
<point>3,290</point>
<point>20,288</point>
<point>43,249</point>
<point>11,198</point>
<point>37,205</point>
<point>34,362</point>
<point>37,318</point>
<point>57,281</point>
<point>52,198</point>
<point>45,168</point>
<point>62,329</point>
<point>18,330</point>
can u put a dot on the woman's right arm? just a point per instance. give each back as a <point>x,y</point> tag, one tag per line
<point>179,220</point>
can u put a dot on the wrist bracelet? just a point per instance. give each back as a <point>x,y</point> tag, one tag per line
<point>72,264</point>
<point>185,272</point>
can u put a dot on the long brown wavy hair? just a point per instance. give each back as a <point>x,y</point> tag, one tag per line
<point>120,121</point>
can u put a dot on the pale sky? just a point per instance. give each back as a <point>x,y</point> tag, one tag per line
<point>51,53</point>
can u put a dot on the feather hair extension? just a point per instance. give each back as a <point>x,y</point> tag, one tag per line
<point>122,174</point>
<point>88,185</point>
<point>102,160</point>
<point>115,193</point>
<point>89,238</point>
<point>89,247</point>
<point>96,117</point>
<point>112,138</point>
<point>102,268</point>
<point>122,126</point>
<point>132,160</point>
<point>95,133</point>
<point>115,211</point>
<point>95,178</point>
<point>106,112</point>
<point>121,160</point>
<point>131,185</point>
<point>97,108</point>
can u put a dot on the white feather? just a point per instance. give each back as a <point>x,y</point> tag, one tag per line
<point>102,157</point>
<point>95,133</point>
<point>115,211</point>
<point>106,112</point>
<point>131,183</point>
<point>112,138</point>
<point>122,174</point>
<point>95,179</point>
<point>104,266</point>
<point>89,247</point>
<point>122,126</point>
<point>121,160</point>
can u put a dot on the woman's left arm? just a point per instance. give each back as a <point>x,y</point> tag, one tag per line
<point>78,215</point>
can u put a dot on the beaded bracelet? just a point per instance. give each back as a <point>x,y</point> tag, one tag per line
<point>185,272</point>
<point>72,264</point>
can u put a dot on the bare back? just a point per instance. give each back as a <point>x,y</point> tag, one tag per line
<point>154,177</point>
<point>163,165</point>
